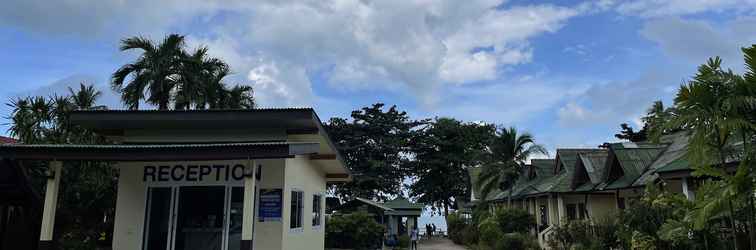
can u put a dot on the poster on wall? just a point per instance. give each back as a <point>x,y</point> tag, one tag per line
<point>270,204</point>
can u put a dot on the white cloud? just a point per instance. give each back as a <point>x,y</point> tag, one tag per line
<point>660,8</point>
<point>616,102</point>
<point>696,40</point>
<point>415,45</point>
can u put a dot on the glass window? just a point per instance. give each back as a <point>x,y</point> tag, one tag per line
<point>571,212</point>
<point>297,207</point>
<point>158,213</point>
<point>316,208</point>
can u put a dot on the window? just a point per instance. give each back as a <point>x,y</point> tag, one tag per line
<point>571,212</point>
<point>297,207</point>
<point>621,203</point>
<point>316,208</point>
<point>544,216</point>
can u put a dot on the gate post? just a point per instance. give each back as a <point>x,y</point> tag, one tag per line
<point>51,203</point>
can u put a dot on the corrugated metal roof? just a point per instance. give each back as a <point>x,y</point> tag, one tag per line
<point>634,161</point>
<point>148,146</point>
<point>595,165</point>
<point>474,173</point>
<point>402,203</point>
<point>673,158</point>
<point>256,109</point>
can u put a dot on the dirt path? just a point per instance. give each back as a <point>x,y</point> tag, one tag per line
<point>439,244</point>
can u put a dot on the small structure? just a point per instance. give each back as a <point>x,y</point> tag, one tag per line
<point>397,215</point>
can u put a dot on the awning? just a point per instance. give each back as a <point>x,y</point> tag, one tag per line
<point>157,152</point>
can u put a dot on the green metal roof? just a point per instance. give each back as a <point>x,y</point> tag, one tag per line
<point>672,159</point>
<point>634,159</point>
<point>402,203</point>
<point>474,173</point>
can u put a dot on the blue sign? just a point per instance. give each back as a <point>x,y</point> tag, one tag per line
<point>270,205</point>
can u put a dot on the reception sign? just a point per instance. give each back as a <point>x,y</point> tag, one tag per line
<point>270,205</point>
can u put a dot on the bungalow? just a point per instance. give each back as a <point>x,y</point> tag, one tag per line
<point>595,183</point>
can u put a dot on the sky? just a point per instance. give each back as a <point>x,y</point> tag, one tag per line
<point>569,72</point>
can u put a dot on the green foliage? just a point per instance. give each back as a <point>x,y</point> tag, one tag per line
<point>514,220</point>
<point>506,229</point>
<point>443,150</point>
<point>166,72</point>
<point>375,145</point>
<point>404,241</point>
<point>87,194</point>
<point>353,231</point>
<point>509,151</point>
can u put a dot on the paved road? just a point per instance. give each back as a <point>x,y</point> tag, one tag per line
<point>439,244</point>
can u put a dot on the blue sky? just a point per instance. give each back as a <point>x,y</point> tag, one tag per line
<point>568,71</point>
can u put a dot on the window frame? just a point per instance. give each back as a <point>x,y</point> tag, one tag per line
<point>317,210</point>
<point>296,210</point>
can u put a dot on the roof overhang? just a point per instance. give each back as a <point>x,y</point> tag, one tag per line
<point>297,120</point>
<point>152,152</point>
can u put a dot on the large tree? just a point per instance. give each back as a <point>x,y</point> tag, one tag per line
<point>375,146</point>
<point>509,152</point>
<point>87,195</point>
<point>167,74</point>
<point>443,152</point>
<point>156,71</point>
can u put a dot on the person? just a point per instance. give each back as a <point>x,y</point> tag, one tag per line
<point>428,231</point>
<point>433,228</point>
<point>413,238</point>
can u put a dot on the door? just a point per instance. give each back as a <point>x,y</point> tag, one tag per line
<point>193,218</point>
<point>200,218</point>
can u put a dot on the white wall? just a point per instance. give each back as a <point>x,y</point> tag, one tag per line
<point>300,174</point>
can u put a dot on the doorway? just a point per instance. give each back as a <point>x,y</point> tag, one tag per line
<point>193,218</point>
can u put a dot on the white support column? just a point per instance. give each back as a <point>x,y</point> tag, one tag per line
<point>248,214</point>
<point>561,212</point>
<point>686,190</point>
<point>51,203</point>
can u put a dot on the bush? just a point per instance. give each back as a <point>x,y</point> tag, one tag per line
<point>514,220</point>
<point>507,229</point>
<point>404,241</point>
<point>354,231</point>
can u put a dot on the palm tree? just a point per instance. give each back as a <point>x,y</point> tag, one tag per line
<point>509,151</point>
<point>156,71</point>
<point>710,107</point>
<point>238,97</point>
<point>199,76</point>
<point>85,97</point>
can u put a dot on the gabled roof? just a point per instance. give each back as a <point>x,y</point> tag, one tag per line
<point>672,159</point>
<point>590,170</point>
<point>632,160</point>
<point>542,168</point>
<point>566,161</point>
<point>474,173</point>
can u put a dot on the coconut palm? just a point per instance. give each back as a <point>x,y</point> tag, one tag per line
<point>238,97</point>
<point>509,151</point>
<point>156,71</point>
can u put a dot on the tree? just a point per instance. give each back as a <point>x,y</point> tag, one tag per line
<point>509,151</point>
<point>709,108</point>
<point>375,146</point>
<point>156,71</point>
<point>627,133</point>
<point>443,152</point>
<point>87,195</point>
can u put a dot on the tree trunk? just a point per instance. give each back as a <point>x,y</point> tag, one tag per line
<point>733,232</point>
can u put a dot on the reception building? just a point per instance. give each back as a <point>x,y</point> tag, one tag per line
<point>204,179</point>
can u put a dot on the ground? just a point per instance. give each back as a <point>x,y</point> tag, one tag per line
<point>439,244</point>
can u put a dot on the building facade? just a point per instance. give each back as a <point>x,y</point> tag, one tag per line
<point>208,179</point>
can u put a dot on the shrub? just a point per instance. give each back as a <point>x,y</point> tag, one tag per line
<point>355,231</point>
<point>404,241</point>
<point>514,220</point>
